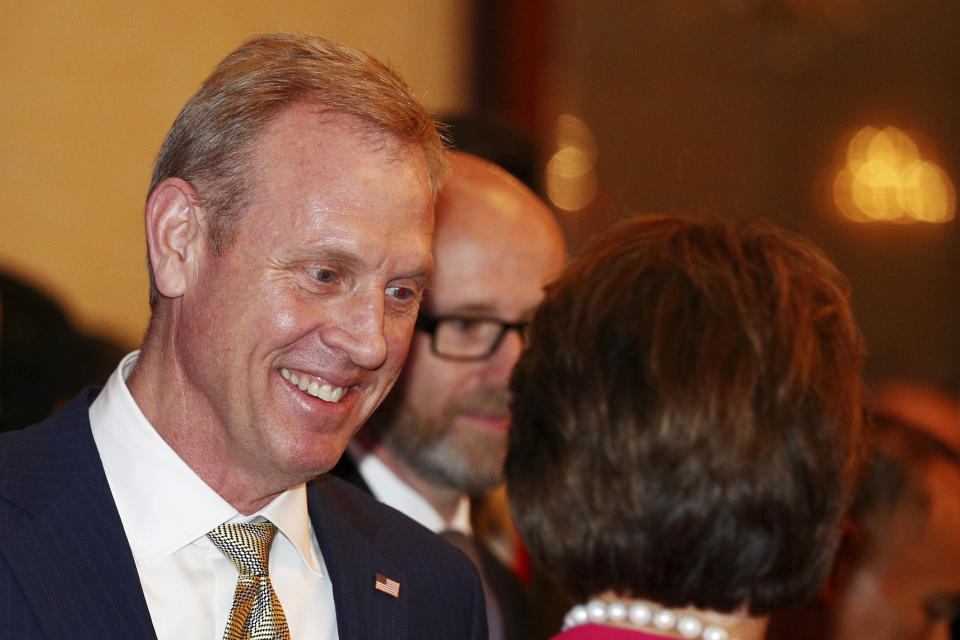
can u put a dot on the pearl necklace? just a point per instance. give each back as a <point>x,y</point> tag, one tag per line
<point>642,614</point>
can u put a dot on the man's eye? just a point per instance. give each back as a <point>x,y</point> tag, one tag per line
<point>401,293</point>
<point>464,325</point>
<point>324,275</point>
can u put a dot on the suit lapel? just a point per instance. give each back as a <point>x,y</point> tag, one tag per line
<point>65,544</point>
<point>346,469</point>
<point>347,539</point>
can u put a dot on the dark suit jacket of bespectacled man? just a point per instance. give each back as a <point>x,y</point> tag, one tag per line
<point>289,227</point>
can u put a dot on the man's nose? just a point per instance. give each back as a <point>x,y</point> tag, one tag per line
<point>359,332</point>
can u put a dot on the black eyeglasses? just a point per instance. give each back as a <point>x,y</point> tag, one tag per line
<point>464,338</point>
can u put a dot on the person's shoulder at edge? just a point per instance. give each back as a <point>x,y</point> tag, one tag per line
<point>15,444</point>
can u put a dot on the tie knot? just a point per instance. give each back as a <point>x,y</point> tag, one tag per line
<point>247,545</point>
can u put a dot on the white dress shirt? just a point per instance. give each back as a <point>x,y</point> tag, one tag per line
<point>388,488</point>
<point>167,510</point>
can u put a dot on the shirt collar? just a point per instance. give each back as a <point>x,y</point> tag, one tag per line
<point>288,512</point>
<point>388,488</point>
<point>159,522</point>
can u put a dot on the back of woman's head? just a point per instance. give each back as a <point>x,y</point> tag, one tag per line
<point>686,416</point>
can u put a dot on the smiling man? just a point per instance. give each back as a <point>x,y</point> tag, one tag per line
<point>289,228</point>
<point>441,436</point>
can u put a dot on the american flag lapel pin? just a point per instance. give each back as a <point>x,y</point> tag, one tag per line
<point>387,585</point>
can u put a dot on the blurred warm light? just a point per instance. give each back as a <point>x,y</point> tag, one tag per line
<point>886,178</point>
<point>929,195</point>
<point>574,132</point>
<point>571,178</point>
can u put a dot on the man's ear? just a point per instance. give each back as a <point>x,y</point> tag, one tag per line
<point>175,235</point>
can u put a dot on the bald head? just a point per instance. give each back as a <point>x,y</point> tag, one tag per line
<point>482,184</point>
<point>484,212</point>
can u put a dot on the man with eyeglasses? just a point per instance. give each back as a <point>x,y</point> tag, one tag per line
<point>441,435</point>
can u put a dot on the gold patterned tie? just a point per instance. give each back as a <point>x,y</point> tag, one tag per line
<point>256,612</point>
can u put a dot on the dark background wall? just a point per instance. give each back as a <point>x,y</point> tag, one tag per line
<point>745,108</point>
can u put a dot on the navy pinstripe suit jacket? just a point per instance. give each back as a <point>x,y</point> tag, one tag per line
<point>66,570</point>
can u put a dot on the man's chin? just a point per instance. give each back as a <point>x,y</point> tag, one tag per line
<point>472,467</point>
<point>314,456</point>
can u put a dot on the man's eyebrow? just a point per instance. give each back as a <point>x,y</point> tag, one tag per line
<point>327,254</point>
<point>346,257</point>
<point>485,310</point>
<point>472,309</point>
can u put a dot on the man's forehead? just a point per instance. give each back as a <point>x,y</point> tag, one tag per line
<point>306,129</point>
<point>305,143</point>
<point>477,278</point>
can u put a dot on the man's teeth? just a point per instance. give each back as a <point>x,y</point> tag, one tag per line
<point>317,390</point>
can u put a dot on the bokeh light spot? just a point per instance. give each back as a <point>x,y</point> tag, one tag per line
<point>571,178</point>
<point>885,178</point>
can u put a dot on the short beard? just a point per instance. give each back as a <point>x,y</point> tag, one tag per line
<point>469,460</point>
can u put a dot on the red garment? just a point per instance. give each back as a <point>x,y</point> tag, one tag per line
<point>603,632</point>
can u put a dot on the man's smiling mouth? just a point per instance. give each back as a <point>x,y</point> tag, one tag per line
<point>310,386</point>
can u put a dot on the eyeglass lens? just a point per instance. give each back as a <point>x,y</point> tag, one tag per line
<point>465,337</point>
